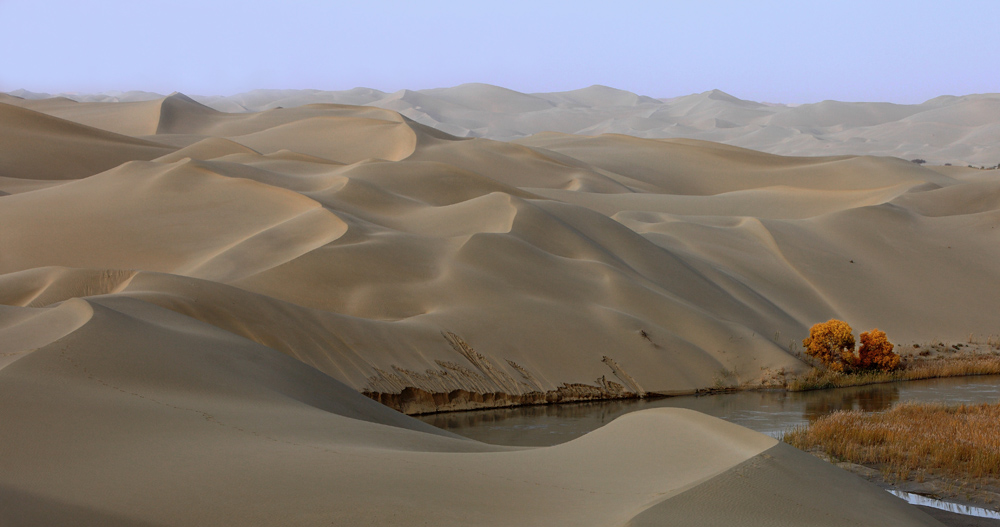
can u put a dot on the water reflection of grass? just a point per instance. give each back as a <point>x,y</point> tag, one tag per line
<point>961,442</point>
<point>867,399</point>
<point>601,411</point>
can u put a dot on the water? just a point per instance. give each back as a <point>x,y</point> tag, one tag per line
<point>957,508</point>
<point>770,412</point>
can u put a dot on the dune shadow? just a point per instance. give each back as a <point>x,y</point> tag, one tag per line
<point>20,507</point>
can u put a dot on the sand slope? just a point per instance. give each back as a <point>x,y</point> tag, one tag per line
<point>37,146</point>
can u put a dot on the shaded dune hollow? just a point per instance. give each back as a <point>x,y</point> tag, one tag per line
<point>183,289</point>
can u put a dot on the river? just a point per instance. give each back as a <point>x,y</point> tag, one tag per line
<point>770,412</point>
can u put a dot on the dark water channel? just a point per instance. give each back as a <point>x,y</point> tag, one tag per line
<point>771,412</point>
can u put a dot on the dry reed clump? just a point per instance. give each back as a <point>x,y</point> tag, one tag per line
<point>961,442</point>
<point>819,379</point>
<point>992,341</point>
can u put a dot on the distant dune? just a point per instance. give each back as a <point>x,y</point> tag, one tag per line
<point>192,302</point>
<point>949,129</point>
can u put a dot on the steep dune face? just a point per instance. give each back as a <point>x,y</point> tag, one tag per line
<point>688,167</point>
<point>35,146</point>
<point>129,118</point>
<point>25,330</point>
<point>139,216</point>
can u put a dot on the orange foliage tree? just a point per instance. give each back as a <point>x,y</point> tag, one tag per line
<point>876,351</point>
<point>833,344</point>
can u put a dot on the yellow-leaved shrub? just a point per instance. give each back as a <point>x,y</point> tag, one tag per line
<point>876,352</point>
<point>832,342</point>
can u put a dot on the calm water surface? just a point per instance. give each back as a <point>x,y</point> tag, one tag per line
<point>769,412</point>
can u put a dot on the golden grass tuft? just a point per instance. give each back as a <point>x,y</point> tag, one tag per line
<point>961,442</point>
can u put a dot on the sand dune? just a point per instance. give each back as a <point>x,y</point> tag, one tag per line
<point>35,146</point>
<point>187,290</point>
<point>125,219</point>
<point>25,330</point>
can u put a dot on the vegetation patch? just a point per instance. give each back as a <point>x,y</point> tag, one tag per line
<point>911,370</point>
<point>830,346</point>
<point>960,442</point>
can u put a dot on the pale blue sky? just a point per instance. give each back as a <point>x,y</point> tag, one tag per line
<point>793,52</point>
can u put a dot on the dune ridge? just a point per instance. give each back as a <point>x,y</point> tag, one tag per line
<point>960,130</point>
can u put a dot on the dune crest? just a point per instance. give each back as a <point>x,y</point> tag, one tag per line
<point>959,130</point>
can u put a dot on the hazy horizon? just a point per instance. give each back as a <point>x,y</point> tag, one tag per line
<point>778,52</point>
<point>655,96</point>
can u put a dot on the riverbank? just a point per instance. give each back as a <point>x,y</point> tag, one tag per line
<point>415,401</point>
<point>932,360</point>
<point>949,453</point>
<point>920,362</point>
<point>929,361</point>
<point>918,370</point>
<point>984,496</point>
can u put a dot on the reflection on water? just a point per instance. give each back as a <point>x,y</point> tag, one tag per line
<point>770,412</point>
<point>868,398</point>
<point>958,508</point>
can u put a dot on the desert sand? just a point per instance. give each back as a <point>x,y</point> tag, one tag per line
<point>193,301</point>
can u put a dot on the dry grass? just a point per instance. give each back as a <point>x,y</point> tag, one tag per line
<point>914,370</point>
<point>989,340</point>
<point>961,442</point>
